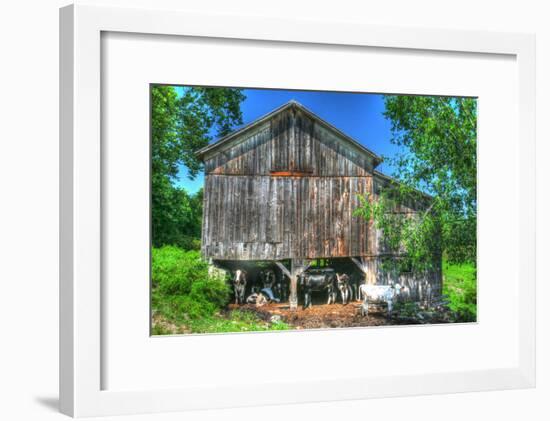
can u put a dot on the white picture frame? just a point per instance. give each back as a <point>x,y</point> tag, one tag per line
<point>82,391</point>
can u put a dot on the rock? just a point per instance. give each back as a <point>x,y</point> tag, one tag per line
<point>275,318</point>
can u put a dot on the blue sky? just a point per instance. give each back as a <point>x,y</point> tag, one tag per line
<point>358,115</point>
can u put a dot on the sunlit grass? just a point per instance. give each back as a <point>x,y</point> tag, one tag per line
<point>460,286</point>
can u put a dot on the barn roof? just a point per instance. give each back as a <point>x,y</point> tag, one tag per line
<point>393,180</point>
<point>234,136</point>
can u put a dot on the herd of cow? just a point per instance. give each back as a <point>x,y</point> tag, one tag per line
<point>267,287</point>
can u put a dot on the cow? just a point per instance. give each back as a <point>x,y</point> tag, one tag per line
<point>318,280</point>
<point>267,278</point>
<point>258,299</point>
<point>265,296</point>
<point>343,283</point>
<point>378,294</point>
<point>281,288</point>
<point>239,285</point>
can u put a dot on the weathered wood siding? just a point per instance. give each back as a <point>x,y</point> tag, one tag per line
<point>275,218</point>
<point>251,213</point>
<point>290,141</point>
<point>420,285</point>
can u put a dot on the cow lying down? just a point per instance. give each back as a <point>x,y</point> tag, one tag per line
<point>263,297</point>
<point>378,294</point>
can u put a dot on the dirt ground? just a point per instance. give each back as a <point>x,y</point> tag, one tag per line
<point>320,315</point>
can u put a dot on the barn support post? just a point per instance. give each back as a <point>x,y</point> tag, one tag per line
<point>297,267</point>
<point>293,295</point>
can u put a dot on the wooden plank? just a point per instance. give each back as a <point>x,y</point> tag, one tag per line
<point>286,217</point>
<point>280,210</point>
<point>358,263</point>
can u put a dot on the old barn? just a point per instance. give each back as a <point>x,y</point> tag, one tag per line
<point>284,189</point>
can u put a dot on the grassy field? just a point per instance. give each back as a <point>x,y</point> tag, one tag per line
<point>460,286</point>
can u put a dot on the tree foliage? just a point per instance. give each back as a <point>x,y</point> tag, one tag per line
<point>180,125</point>
<point>437,143</point>
<point>176,216</point>
<point>200,111</point>
<point>414,237</point>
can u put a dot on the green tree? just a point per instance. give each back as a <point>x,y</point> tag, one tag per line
<point>165,149</point>
<point>437,143</point>
<point>180,125</point>
<point>202,111</point>
<point>176,216</point>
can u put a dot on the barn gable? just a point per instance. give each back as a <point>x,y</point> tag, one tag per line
<point>290,139</point>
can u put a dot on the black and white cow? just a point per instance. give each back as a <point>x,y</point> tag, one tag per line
<point>254,283</point>
<point>265,296</point>
<point>318,280</point>
<point>280,288</point>
<point>343,284</point>
<point>239,285</point>
<point>257,298</point>
<point>268,278</point>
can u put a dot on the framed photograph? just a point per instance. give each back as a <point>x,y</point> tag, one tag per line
<point>259,211</point>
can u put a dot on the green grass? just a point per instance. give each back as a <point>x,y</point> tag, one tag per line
<point>233,321</point>
<point>460,286</point>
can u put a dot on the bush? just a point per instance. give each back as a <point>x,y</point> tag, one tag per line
<point>182,288</point>
<point>174,270</point>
